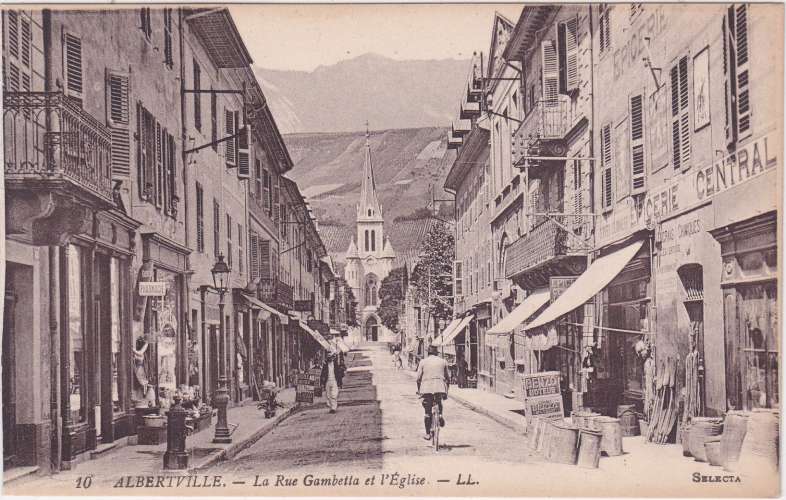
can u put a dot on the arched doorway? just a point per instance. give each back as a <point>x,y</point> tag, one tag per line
<point>372,329</point>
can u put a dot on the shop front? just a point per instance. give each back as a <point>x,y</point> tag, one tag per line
<point>95,342</point>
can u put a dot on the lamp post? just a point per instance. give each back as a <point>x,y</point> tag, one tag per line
<point>220,272</point>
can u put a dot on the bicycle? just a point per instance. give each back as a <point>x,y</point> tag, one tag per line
<point>436,415</point>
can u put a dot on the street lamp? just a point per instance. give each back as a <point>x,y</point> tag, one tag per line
<point>220,272</point>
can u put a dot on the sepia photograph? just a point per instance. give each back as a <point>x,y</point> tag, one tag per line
<point>392,249</point>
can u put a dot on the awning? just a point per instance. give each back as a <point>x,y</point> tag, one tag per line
<point>521,313</point>
<point>597,276</point>
<point>258,304</point>
<point>316,335</point>
<point>451,326</point>
<point>448,336</point>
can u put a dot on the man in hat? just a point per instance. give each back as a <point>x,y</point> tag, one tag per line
<point>331,378</point>
<point>433,379</point>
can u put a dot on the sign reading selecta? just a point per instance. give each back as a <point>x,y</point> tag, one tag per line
<point>152,288</point>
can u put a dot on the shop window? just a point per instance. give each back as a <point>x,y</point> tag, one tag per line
<point>116,329</point>
<point>77,369</point>
<point>759,324</point>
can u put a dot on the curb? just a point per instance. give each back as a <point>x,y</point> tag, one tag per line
<point>235,448</point>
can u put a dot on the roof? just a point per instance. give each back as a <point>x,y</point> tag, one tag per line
<point>499,37</point>
<point>474,150</point>
<point>369,203</point>
<point>525,33</point>
<point>387,251</point>
<point>218,34</point>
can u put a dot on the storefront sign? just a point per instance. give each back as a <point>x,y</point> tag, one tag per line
<point>649,25</point>
<point>690,190</point>
<point>304,392</point>
<point>558,285</point>
<point>152,288</point>
<point>542,395</point>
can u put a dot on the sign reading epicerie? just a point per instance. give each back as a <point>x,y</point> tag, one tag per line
<point>693,188</point>
<point>542,395</point>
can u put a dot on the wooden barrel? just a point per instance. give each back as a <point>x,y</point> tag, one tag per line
<point>701,429</point>
<point>629,422</point>
<point>685,439</point>
<point>713,451</point>
<point>759,451</point>
<point>542,437</point>
<point>563,445</point>
<point>611,440</point>
<point>532,433</point>
<point>734,428</point>
<point>589,448</point>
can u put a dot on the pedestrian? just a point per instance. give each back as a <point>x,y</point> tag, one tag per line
<point>332,377</point>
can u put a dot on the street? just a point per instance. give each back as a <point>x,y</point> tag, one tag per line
<point>378,427</point>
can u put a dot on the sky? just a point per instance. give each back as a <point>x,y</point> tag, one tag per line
<point>303,37</point>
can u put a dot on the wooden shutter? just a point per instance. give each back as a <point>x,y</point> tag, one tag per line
<point>243,153</point>
<point>638,174</point>
<point>266,190</point>
<point>680,125</point>
<point>231,149</point>
<point>730,79</point>
<point>458,278</point>
<point>550,65</point>
<point>200,216</point>
<point>571,54</point>
<point>13,33</point>
<point>578,221</point>
<point>264,259</point>
<point>171,173</point>
<point>159,165</point>
<point>277,201</point>
<point>253,243</point>
<point>117,118</point>
<point>72,55</point>
<point>26,41</point>
<point>742,71</point>
<point>604,27</point>
<point>607,195</point>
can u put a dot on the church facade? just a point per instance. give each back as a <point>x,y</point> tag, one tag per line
<point>370,257</point>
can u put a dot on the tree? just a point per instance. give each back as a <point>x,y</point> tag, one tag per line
<point>391,298</point>
<point>433,275</point>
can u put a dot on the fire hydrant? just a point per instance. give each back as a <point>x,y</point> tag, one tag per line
<point>176,456</point>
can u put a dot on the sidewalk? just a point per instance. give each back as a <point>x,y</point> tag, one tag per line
<point>149,459</point>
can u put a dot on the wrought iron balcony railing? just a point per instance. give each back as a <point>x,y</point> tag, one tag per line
<point>543,243</point>
<point>277,293</point>
<point>49,139</point>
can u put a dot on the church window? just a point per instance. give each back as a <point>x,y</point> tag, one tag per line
<point>373,241</point>
<point>369,212</point>
<point>373,295</point>
<point>367,240</point>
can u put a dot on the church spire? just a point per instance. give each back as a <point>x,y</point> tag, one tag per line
<point>368,208</point>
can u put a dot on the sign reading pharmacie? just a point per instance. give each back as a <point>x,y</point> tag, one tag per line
<point>152,288</point>
<point>542,395</point>
<point>691,189</point>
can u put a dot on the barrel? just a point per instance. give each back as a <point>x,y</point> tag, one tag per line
<point>532,433</point>
<point>628,420</point>
<point>611,440</point>
<point>759,451</point>
<point>685,439</point>
<point>734,428</point>
<point>644,427</point>
<point>701,429</point>
<point>589,448</point>
<point>563,445</point>
<point>542,431</point>
<point>548,432</point>
<point>713,451</point>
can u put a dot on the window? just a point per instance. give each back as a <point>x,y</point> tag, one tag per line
<point>458,280</point>
<point>240,248</point>
<point>308,260</point>
<point>156,163</point>
<point>168,60</point>
<point>550,68</point>
<point>258,179</point>
<point>117,118</point>
<point>373,241</point>
<point>567,41</point>
<point>77,365</point>
<point>213,120</point>
<point>367,243</point>
<point>578,221</point>
<point>266,197</point>
<point>735,69</point>
<point>231,144</point>
<point>635,9</point>
<point>607,195</point>
<point>638,174</point>
<point>27,40</point>
<point>146,133</point>
<point>216,228</point>
<point>13,33</point>
<point>200,218</point>
<point>144,22</point>
<point>72,55</point>
<point>197,96</point>
<point>253,267</point>
<point>229,241</point>
<point>115,324</point>
<point>604,27</point>
<point>680,121</point>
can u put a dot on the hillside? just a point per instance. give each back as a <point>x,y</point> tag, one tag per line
<point>406,163</point>
<point>388,93</point>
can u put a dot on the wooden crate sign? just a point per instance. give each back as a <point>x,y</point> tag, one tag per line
<point>542,395</point>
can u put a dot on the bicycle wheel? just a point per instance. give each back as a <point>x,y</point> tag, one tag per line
<point>435,414</point>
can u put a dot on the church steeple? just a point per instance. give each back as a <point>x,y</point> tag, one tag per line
<point>369,208</point>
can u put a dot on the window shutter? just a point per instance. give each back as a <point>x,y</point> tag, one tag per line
<point>578,221</point>
<point>550,65</point>
<point>604,28</point>
<point>231,150</point>
<point>572,54</point>
<point>266,190</point>
<point>168,60</point>
<point>742,67</point>
<point>243,153</point>
<point>200,215</point>
<point>730,78</point>
<point>264,259</point>
<point>458,279</point>
<point>277,201</point>
<point>13,33</point>
<point>27,39</point>
<point>72,47</point>
<point>680,125</point>
<point>117,117</point>
<point>159,166</point>
<point>637,144</point>
<point>13,77</point>
<point>606,176</point>
<point>253,242</point>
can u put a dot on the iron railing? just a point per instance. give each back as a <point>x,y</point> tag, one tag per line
<point>277,293</point>
<point>48,136</point>
<point>542,243</point>
<point>548,120</point>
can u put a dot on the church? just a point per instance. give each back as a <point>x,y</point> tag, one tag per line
<point>370,256</point>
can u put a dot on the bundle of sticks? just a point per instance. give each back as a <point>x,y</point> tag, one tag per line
<point>665,406</point>
<point>692,387</point>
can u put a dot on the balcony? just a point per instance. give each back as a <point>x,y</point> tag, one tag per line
<point>276,293</point>
<point>547,250</point>
<point>454,141</point>
<point>57,161</point>
<point>469,110</point>
<point>460,128</point>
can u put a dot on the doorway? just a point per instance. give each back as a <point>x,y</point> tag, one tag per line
<point>9,376</point>
<point>372,329</point>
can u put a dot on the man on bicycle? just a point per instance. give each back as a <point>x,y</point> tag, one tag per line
<point>433,379</point>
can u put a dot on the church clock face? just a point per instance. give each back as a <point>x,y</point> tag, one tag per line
<point>370,260</point>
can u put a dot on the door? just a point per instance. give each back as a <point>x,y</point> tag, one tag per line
<point>758,327</point>
<point>9,383</point>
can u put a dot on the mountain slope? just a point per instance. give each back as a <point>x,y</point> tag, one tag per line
<point>388,93</point>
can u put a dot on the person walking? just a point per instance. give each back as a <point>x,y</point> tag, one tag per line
<point>332,377</point>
